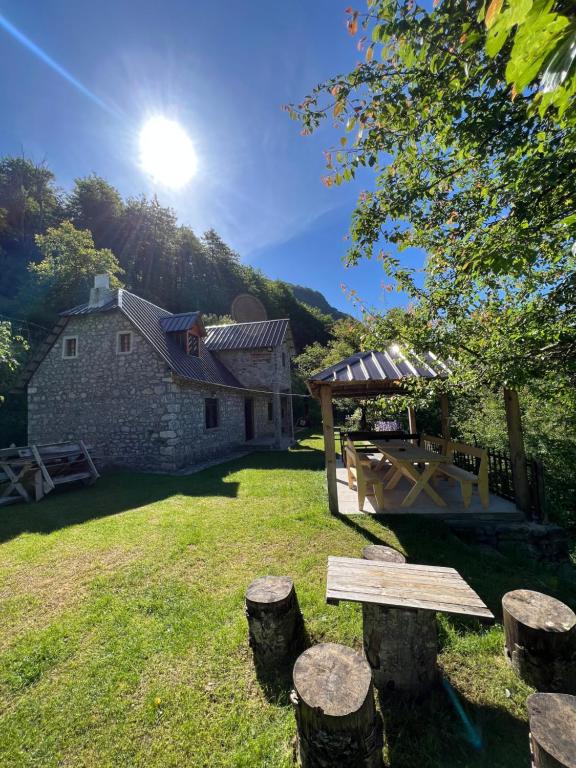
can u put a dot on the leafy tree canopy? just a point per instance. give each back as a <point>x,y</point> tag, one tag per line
<point>476,178</point>
<point>69,263</point>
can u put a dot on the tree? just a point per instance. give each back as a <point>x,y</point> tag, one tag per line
<point>29,202</point>
<point>12,351</point>
<point>69,263</point>
<point>541,37</point>
<point>479,181</point>
<point>96,205</point>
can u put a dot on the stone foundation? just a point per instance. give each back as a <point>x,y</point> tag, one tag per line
<point>544,543</point>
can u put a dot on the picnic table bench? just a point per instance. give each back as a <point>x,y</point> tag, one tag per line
<point>35,470</point>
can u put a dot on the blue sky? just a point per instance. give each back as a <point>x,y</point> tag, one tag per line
<point>222,69</point>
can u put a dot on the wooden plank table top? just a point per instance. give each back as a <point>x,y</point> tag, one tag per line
<point>402,585</point>
<point>405,452</point>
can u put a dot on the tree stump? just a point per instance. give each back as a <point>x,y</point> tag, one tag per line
<point>275,625</point>
<point>384,554</point>
<point>333,697</point>
<point>401,645</point>
<point>552,719</point>
<point>541,640</point>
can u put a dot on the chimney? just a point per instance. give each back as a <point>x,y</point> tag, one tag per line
<point>101,293</point>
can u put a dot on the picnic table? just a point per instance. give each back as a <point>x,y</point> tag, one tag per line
<point>399,605</point>
<point>38,469</point>
<point>405,459</point>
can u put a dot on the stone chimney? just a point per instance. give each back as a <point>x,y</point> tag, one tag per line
<point>100,294</point>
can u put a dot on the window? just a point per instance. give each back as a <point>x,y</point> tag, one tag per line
<point>70,346</point>
<point>124,342</point>
<point>270,410</point>
<point>189,342</point>
<point>193,345</point>
<point>211,412</point>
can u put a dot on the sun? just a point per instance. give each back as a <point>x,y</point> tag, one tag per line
<point>167,153</point>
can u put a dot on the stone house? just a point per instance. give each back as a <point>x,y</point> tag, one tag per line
<point>151,390</point>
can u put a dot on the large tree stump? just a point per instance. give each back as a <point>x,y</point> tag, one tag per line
<point>541,640</point>
<point>401,645</point>
<point>383,554</point>
<point>333,697</point>
<point>552,730</point>
<point>275,625</point>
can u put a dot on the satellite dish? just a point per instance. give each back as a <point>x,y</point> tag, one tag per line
<point>248,309</point>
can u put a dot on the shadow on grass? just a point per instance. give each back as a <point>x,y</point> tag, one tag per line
<point>121,491</point>
<point>431,542</point>
<point>276,682</point>
<point>430,734</point>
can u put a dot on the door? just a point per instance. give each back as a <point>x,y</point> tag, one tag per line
<point>249,417</point>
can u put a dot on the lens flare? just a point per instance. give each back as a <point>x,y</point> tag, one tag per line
<point>167,153</point>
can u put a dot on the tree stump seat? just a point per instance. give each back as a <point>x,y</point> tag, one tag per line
<point>400,644</point>
<point>275,625</point>
<point>336,718</point>
<point>382,553</point>
<point>541,640</point>
<point>552,719</point>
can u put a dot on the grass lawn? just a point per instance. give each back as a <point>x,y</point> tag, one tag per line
<point>123,635</point>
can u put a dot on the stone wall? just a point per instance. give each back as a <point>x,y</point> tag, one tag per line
<point>260,368</point>
<point>545,543</point>
<point>114,402</point>
<point>128,407</point>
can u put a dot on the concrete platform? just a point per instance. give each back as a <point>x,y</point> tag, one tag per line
<point>499,509</point>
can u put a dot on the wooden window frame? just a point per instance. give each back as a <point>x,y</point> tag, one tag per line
<point>65,339</point>
<point>216,401</point>
<point>119,350</point>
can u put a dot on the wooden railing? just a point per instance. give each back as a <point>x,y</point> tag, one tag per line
<point>501,481</point>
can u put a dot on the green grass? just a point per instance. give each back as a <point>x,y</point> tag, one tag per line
<point>123,635</point>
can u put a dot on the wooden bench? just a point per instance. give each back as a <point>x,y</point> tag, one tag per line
<point>38,469</point>
<point>362,477</point>
<point>464,477</point>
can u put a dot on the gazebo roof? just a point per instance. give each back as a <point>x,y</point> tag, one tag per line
<point>373,373</point>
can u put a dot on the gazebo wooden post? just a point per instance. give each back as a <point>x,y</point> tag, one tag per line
<point>445,417</point>
<point>329,445</point>
<point>412,421</point>
<point>517,452</point>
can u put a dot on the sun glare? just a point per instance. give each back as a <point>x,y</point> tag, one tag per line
<point>167,153</point>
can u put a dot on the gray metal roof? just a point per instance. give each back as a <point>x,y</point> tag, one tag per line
<point>383,370</point>
<point>181,322</point>
<point>265,333</point>
<point>149,319</point>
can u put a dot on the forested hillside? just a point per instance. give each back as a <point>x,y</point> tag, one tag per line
<point>158,258</point>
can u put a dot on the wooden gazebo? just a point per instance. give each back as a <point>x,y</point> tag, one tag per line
<point>380,374</point>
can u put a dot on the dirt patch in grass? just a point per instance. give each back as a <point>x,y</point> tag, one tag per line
<point>33,595</point>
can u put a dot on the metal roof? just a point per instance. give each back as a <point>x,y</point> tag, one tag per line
<point>181,322</point>
<point>148,319</point>
<point>375,372</point>
<point>265,333</point>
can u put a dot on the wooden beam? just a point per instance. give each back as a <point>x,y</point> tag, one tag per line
<point>412,421</point>
<point>517,452</point>
<point>277,412</point>
<point>445,417</point>
<point>329,446</point>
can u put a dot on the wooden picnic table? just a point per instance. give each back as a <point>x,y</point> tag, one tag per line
<point>399,605</point>
<point>405,459</point>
